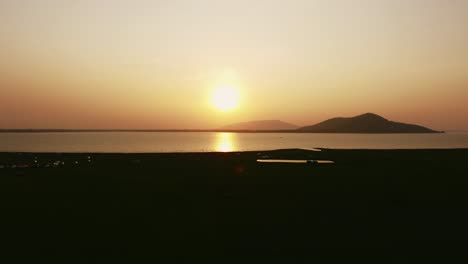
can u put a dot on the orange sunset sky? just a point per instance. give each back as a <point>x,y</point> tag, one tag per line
<point>158,64</point>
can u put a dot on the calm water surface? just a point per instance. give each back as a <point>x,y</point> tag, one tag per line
<point>219,142</point>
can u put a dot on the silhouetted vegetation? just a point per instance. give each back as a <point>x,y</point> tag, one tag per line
<point>401,206</point>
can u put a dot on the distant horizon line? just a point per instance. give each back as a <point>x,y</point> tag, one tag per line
<point>54,130</point>
<point>40,130</point>
<point>293,129</point>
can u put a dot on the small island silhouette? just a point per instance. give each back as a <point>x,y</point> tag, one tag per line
<point>365,123</point>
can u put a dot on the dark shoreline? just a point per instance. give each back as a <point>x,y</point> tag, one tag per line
<point>22,131</point>
<point>392,206</point>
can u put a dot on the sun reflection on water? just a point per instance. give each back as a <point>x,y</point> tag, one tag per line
<point>224,142</point>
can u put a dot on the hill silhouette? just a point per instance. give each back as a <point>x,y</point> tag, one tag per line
<point>366,123</point>
<point>260,125</point>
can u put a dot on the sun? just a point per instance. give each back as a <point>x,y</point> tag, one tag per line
<point>225,98</point>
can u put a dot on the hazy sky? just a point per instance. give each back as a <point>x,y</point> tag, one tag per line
<point>154,64</point>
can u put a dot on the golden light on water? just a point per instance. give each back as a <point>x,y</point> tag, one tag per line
<point>224,142</point>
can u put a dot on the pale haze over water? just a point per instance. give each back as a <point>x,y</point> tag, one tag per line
<point>133,142</point>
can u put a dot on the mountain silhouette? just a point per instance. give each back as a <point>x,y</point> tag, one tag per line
<point>366,123</point>
<point>260,125</point>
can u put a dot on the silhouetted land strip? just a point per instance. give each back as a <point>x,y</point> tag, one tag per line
<point>377,206</point>
<point>366,123</point>
<point>139,130</point>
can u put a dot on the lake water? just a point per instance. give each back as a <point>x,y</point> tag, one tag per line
<point>218,142</point>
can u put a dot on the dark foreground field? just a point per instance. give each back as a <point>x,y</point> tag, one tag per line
<point>386,206</point>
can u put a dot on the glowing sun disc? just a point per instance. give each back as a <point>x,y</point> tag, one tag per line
<point>225,98</point>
